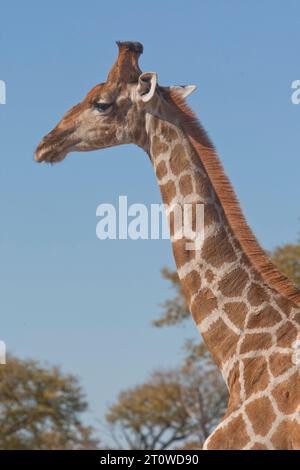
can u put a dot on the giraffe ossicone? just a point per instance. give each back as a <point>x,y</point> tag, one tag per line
<point>246,311</point>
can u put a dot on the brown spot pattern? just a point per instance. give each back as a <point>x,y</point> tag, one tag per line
<point>161,170</point>
<point>284,304</point>
<point>232,437</point>
<point>236,312</point>
<point>203,187</point>
<point>287,394</point>
<point>256,375</point>
<point>178,159</point>
<point>158,147</point>
<point>169,133</point>
<point>186,185</point>
<point>205,302</point>
<point>286,335</point>
<point>255,341</point>
<point>235,388</point>
<point>234,283</point>
<point>267,317</point>
<point>297,317</point>
<point>257,294</point>
<point>287,436</point>
<point>279,363</point>
<point>209,275</point>
<point>181,254</point>
<point>261,415</point>
<point>222,339</point>
<point>191,282</point>
<point>168,192</point>
<point>211,215</point>
<point>216,245</point>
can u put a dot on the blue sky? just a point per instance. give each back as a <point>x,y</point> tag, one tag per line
<point>85,304</point>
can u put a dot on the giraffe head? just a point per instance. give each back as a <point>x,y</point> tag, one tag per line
<point>112,113</point>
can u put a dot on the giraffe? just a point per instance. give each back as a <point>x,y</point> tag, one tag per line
<point>247,312</point>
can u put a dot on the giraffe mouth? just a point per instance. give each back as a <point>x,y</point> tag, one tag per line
<point>54,147</point>
<point>49,156</point>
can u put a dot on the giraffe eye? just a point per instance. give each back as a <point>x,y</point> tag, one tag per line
<point>102,106</point>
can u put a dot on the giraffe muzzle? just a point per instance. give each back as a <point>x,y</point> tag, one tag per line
<point>55,146</point>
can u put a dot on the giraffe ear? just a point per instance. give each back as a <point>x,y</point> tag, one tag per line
<point>147,85</point>
<point>183,90</point>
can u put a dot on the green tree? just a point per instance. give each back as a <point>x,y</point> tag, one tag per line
<point>204,392</point>
<point>174,408</point>
<point>40,408</point>
<point>151,415</point>
<point>175,310</point>
<point>287,258</point>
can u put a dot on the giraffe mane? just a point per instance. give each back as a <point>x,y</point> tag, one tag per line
<point>229,201</point>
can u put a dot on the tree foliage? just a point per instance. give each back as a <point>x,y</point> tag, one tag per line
<point>287,258</point>
<point>173,409</point>
<point>174,310</point>
<point>204,391</point>
<point>40,408</point>
<point>151,415</point>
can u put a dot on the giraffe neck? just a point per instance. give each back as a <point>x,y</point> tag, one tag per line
<point>225,293</point>
<point>183,180</point>
<point>244,310</point>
